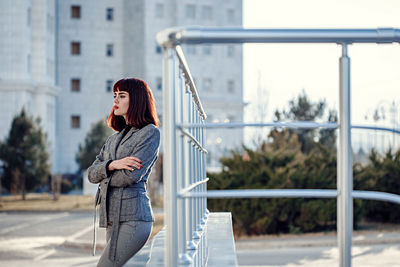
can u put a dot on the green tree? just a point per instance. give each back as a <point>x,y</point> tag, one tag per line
<point>302,109</point>
<point>292,159</point>
<point>381,174</point>
<point>279,165</point>
<point>24,155</point>
<point>94,140</point>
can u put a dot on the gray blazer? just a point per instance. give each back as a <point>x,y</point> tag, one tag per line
<point>122,192</point>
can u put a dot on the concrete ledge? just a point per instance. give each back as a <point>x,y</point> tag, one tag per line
<point>221,245</point>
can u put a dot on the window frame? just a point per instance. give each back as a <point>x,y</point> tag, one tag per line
<point>75,121</point>
<point>75,48</point>
<point>76,12</point>
<point>109,50</point>
<point>109,14</point>
<point>75,85</point>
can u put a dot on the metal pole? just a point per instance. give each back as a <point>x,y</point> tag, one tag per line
<point>191,244</point>
<point>344,165</point>
<point>170,192</point>
<point>182,214</point>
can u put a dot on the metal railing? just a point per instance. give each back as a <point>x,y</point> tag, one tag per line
<point>185,191</point>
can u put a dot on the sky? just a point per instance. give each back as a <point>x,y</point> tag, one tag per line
<point>283,71</point>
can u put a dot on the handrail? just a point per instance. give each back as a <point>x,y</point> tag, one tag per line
<point>185,190</point>
<point>292,193</point>
<point>189,80</point>
<point>199,35</point>
<point>191,163</point>
<point>295,124</point>
<point>192,139</point>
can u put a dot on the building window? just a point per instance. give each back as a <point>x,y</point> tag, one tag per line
<point>191,49</point>
<point>75,85</point>
<point>207,84</point>
<point>109,85</point>
<point>110,14</point>
<point>231,86</point>
<point>230,51</point>
<point>207,12</point>
<point>76,12</point>
<point>159,83</point>
<point>159,10</point>
<point>230,13</point>
<point>207,50</point>
<point>190,11</point>
<point>75,48</point>
<point>75,121</point>
<point>110,50</point>
<point>28,17</point>
<point>158,49</point>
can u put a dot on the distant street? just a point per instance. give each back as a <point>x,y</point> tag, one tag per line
<point>63,239</point>
<point>370,249</point>
<point>35,239</point>
<point>363,256</point>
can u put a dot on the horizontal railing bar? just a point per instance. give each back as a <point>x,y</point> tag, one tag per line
<point>295,124</point>
<point>197,35</point>
<point>292,193</point>
<point>192,186</point>
<point>193,139</point>
<point>189,80</point>
<point>374,195</point>
<point>366,127</point>
<point>265,193</point>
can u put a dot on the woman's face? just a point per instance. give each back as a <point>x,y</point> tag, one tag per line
<point>121,103</point>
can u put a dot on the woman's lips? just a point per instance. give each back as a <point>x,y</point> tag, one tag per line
<point>115,107</point>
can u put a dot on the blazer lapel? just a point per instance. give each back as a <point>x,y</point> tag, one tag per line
<point>114,144</point>
<point>118,140</point>
<point>128,135</point>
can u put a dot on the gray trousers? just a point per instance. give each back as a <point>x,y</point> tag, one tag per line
<point>132,236</point>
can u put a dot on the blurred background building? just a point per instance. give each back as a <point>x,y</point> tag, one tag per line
<point>27,69</point>
<point>61,59</point>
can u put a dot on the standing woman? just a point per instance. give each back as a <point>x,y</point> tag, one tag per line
<point>122,168</point>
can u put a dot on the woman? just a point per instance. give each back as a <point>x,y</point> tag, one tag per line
<point>122,169</point>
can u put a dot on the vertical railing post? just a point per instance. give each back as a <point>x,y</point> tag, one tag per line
<point>192,246</point>
<point>183,211</point>
<point>169,166</point>
<point>344,165</point>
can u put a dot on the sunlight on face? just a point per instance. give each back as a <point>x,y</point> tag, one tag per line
<point>121,103</point>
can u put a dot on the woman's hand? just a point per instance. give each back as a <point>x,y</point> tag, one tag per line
<point>125,163</point>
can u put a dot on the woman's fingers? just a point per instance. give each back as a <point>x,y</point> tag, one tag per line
<point>135,158</point>
<point>129,166</point>
<point>138,165</point>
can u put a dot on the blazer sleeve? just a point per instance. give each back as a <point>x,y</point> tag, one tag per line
<point>98,170</point>
<point>146,149</point>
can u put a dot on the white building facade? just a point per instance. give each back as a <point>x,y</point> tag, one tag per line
<point>27,70</point>
<point>85,46</point>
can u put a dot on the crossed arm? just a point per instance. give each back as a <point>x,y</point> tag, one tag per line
<point>146,150</point>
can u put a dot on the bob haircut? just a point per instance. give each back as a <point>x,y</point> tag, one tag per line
<point>142,108</point>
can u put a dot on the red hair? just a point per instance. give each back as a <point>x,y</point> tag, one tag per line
<point>142,107</point>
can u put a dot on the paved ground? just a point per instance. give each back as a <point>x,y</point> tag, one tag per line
<point>370,249</point>
<point>64,239</point>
